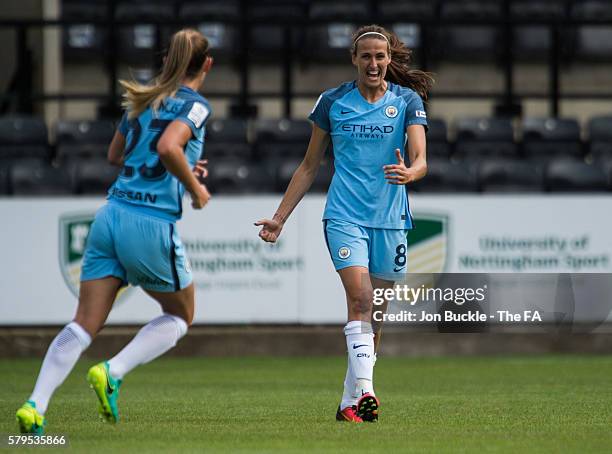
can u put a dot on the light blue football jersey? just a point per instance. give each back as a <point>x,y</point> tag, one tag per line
<point>144,184</point>
<point>364,138</point>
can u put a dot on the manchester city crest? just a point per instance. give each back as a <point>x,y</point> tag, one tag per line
<point>391,111</point>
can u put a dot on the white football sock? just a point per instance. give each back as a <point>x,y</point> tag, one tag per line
<point>349,396</point>
<point>153,340</point>
<point>360,346</point>
<point>62,355</point>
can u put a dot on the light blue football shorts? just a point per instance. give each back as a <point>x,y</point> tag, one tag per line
<point>382,251</point>
<point>136,248</point>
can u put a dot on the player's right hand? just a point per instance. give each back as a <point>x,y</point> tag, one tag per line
<point>270,229</point>
<point>200,197</point>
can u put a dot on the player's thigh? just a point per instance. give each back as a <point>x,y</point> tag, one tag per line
<point>180,303</point>
<point>388,254</point>
<point>100,258</point>
<point>152,254</point>
<point>348,244</point>
<point>96,298</point>
<point>358,288</point>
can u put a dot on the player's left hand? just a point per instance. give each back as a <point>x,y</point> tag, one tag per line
<point>399,173</point>
<point>200,170</point>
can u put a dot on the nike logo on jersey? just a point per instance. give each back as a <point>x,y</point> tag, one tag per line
<point>343,111</point>
<point>399,269</point>
<point>360,345</point>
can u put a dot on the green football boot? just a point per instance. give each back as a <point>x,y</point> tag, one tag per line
<point>29,420</point>
<point>107,391</point>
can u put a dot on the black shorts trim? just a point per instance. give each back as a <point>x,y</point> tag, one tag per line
<point>175,276</point>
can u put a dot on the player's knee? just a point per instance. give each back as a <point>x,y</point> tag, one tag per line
<point>360,300</point>
<point>181,324</point>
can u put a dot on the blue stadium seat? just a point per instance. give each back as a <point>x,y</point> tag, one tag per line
<point>533,42</point>
<point>570,175</point>
<point>40,179</point>
<point>402,18</point>
<point>83,138</point>
<point>510,175</point>
<point>93,176</point>
<point>547,138</point>
<point>593,42</point>
<point>267,42</point>
<point>331,42</point>
<point>4,181</point>
<point>282,137</point>
<point>469,42</point>
<point>235,176</point>
<point>447,177</point>
<point>437,140</point>
<point>227,138</point>
<point>600,137</point>
<point>284,168</point>
<point>482,137</point>
<point>137,44</point>
<point>210,18</point>
<point>84,41</point>
<point>22,137</point>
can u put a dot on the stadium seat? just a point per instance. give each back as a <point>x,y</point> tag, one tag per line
<point>4,181</point>
<point>547,138</point>
<point>84,41</point>
<point>281,138</point>
<point>267,42</point>
<point>469,42</point>
<point>532,42</point>
<point>235,176</point>
<point>593,41</point>
<point>138,43</point>
<point>39,179</point>
<point>437,142</point>
<point>402,18</point>
<point>600,137</point>
<point>227,138</point>
<point>509,175</point>
<point>331,42</point>
<point>93,176</point>
<point>210,18</point>
<point>570,175</point>
<point>284,169</point>
<point>83,138</point>
<point>447,177</point>
<point>481,137</point>
<point>22,137</point>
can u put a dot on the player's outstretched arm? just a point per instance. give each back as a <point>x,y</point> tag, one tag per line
<point>399,173</point>
<point>301,181</point>
<point>170,150</point>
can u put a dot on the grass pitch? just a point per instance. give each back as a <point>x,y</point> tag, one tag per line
<point>514,404</point>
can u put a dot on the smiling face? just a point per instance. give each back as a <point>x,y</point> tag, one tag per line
<point>371,58</point>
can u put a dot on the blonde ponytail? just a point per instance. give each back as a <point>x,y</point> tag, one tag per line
<point>186,55</point>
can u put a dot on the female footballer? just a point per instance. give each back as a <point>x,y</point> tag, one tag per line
<point>134,238</point>
<point>370,121</point>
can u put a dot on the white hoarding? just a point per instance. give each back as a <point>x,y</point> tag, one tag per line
<point>240,279</point>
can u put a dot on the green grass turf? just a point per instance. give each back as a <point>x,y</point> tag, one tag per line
<point>513,404</point>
